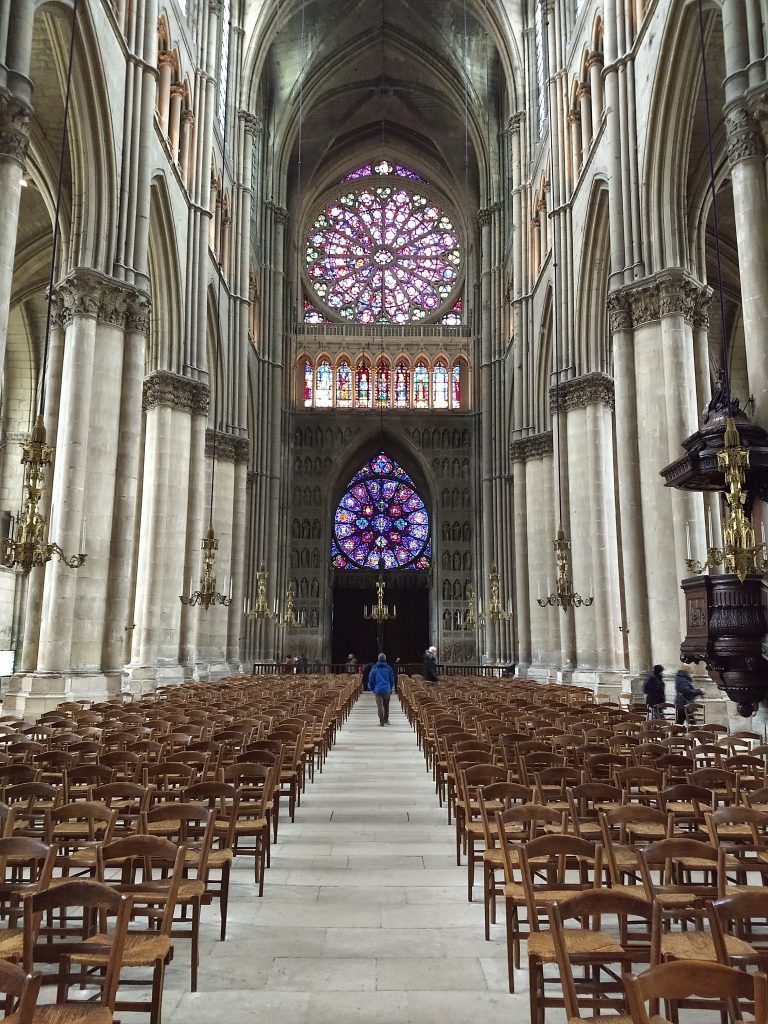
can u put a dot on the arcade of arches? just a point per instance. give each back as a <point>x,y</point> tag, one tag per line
<point>418,279</point>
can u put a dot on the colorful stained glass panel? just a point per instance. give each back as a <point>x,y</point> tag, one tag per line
<point>440,386</point>
<point>456,385</point>
<point>421,386</point>
<point>402,386</point>
<point>363,386</point>
<point>309,380</point>
<point>382,385</point>
<point>324,385</point>
<point>381,519</point>
<point>344,385</point>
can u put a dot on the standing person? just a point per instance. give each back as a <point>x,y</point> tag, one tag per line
<point>685,692</point>
<point>381,680</point>
<point>351,665</point>
<point>653,688</point>
<point>430,665</point>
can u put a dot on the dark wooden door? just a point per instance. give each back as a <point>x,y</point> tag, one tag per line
<point>406,638</point>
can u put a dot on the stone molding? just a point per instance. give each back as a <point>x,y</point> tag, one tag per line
<point>89,293</point>
<point>187,117</point>
<point>485,214</point>
<point>229,447</point>
<point>279,213</point>
<point>579,392</point>
<point>216,6</point>
<point>535,446</point>
<point>743,136</point>
<point>14,131</point>
<point>515,122</point>
<point>670,293</point>
<point>164,388</point>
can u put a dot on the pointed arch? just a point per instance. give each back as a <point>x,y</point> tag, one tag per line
<point>591,323</point>
<point>166,348</point>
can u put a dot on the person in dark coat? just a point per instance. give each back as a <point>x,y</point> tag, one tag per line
<point>685,692</point>
<point>381,681</point>
<point>366,672</point>
<point>654,691</point>
<point>430,665</point>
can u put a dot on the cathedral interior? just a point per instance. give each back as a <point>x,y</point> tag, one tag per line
<point>295,297</point>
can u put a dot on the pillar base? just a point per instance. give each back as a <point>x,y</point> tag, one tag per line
<point>32,693</point>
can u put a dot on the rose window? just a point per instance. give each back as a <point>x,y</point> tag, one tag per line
<point>383,253</point>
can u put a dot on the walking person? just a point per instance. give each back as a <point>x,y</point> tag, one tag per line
<point>430,665</point>
<point>654,691</point>
<point>351,664</point>
<point>685,693</point>
<point>381,680</point>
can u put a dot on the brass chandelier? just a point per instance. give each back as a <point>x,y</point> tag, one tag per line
<point>261,611</point>
<point>564,595</point>
<point>27,546</point>
<point>206,594</point>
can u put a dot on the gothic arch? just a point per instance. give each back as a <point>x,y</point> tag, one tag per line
<point>166,345</point>
<point>591,326</point>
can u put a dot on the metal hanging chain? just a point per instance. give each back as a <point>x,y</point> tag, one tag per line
<point>57,210</point>
<point>217,339</point>
<point>716,224</point>
<point>553,233</point>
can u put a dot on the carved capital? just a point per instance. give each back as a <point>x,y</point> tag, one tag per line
<point>574,116</point>
<point>251,122</point>
<point>536,446</point>
<point>485,216</point>
<point>178,90</point>
<point>251,478</point>
<point>138,314</point>
<point>589,389</point>
<point>583,91</point>
<point>280,214</point>
<point>187,117</point>
<point>515,122</point>
<point>14,131</point>
<point>619,313</point>
<point>670,293</point>
<point>229,447</point>
<point>216,6</point>
<point>743,136</point>
<point>594,57</point>
<point>164,388</point>
<point>87,293</point>
<point>167,59</point>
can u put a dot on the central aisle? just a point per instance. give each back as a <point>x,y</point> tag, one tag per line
<point>364,916</point>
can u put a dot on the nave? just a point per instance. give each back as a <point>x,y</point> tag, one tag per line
<point>365,915</point>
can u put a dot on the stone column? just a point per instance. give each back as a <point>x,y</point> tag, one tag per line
<point>489,554</point>
<point>237,562</point>
<point>750,200</point>
<point>167,62</point>
<point>172,405</point>
<point>585,111</point>
<point>595,68</point>
<point>14,126</point>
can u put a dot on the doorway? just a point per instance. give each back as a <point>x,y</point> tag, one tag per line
<point>406,637</point>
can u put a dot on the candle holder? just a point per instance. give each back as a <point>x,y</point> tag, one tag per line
<point>207,594</point>
<point>740,554</point>
<point>495,612</point>
<point>564,595</point>
<point>260,611</point>
<point>380,613</point>
<point>289,616</point>
<point>27,547</point>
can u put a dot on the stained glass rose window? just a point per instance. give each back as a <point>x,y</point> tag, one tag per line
<point>381,518</point>
<point>383,252</point>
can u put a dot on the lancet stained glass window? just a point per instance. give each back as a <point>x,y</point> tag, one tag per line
<point>344,384</point>
<point>440,386</point>
<point>381,518</point>
<point>382,384</point>
<point>456,385</point>
<point>382,168</point>
<point>383,254</point>
<point>363,386</point>
<point>402,386</point>
<point>309,379</point>
<point>421,386</point>
<point>324,390</point>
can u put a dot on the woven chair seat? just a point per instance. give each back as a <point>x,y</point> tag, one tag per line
<point>11,942</point>
<point>245,826</point>
<point>72,1013</point>
<point>577,941</point>
<point>218,858</point>
<point>139,950</point>
<point>190,889</point>
<point>700,946</point>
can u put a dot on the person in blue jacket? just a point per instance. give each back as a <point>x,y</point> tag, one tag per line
<point>381,680</point>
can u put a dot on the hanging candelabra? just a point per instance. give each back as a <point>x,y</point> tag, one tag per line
<point>261,611</point>
<point>27,546</point>
<point>495,611</point>
<point>471,619</point>
<point>289,615</point>
<point>740,554</point>
<point>380,613</point>
<point>564,595</point>
<point>207,594</point>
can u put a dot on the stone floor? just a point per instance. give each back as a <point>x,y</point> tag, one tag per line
<point>364,916</point>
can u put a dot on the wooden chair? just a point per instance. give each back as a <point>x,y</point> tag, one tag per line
<point>553,868</point>
<point>224,802</point>
<point>26,866</point>
<point>585,803</point>
<point>679,981</point>
<point>743,916</point>
<point>602,958</point>
<point>255,784</point>
<point>96,903</point>
<point>150,873</point>
<point>77,829</point>
<point>20,990</point>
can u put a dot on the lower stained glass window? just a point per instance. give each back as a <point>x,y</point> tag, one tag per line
<point>363,386</point>
<point>382,384</point>
<point>309,379</point>
<point>324,391</point>
<point>440,386</point>
<point>344,385</point>
<point>402,386</point>
<point>421,386</point>
<point>456,385</point>
<point>381,519</point>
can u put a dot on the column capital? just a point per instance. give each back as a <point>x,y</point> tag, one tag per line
<point>88,293</point>
<point>535,446</point>
<point>229,447</point>
<point>187,117</point>
<point>578,393</point>
<point>485,214</point>
<point>583,91</point>
<point>167,59</point>
<point>178,89</point>
<point>574,116</point>
<point>743,136</point>
<point>216,6</point>
<point>14,131</point>
<point>251,122</point>
<point>280,213</point>
<point>672,292</point>
<point>164,388</point>
<point>515,122</point>
<point>594,57</point>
